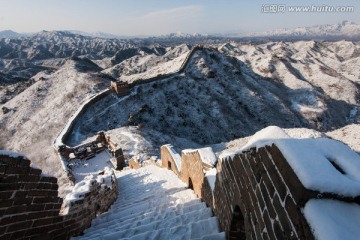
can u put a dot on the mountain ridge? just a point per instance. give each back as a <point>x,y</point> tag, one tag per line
<point>346,29</point>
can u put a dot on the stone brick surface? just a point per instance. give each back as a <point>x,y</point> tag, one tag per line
<point>192,171</point>
<point>254,180</point>
<point>134,164</point>
<point>168,162</point>
<point>30,206</point>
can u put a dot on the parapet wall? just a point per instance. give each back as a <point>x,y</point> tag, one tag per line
<point>251,198</point>
<point>134,164</point>
<point>252,185</point>
<point>192,172</point>
<point>30,206</point>
<point>66,131</point>
<point>168,161</point>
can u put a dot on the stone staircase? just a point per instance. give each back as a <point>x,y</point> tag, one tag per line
<point>154,204</point>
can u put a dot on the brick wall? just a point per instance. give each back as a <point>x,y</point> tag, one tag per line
<point>269,206</point>
<point>79,213</point>
<point>30,206</point>
<point>167,160</point>
<point>192,169</point>
<point>66,131</point>
<point>207,194</point>
<point>134,164</point>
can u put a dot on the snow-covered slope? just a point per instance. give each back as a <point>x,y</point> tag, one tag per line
<point>349,135</point>
<point>38,114</point>
<point>11,34</point>
<point>315,73</point>
<point>154,204</point>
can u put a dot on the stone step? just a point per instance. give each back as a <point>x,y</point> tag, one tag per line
<point>183,194</point>
<point>145,207</point>
<point>150,224</point>
<point>174,233</point>
<point>205,227</point>
<point>154,213</point>
<point>154,204</point>
<point>125,200</point>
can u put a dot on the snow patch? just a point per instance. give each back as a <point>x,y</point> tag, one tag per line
<point>313,162</point>
<point>12,154</point>
<point>206,155</point>
<point>259,139</point>
<point>81,168</point>
<point>83,187</point>
<point>330,219</point>
<point>211,177</point>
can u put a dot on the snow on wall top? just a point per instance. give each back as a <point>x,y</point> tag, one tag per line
<point>330,219</point>
<point>83,187</point>
<point>206,155</point>
<point>211,177</point>
<point>175,156</point>
<point>313,161</point>
<point>59,140</point>
<point>259,139</point>
<point>12,154</point>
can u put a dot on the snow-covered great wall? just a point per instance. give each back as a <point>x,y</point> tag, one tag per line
<point>59,142</point>
<point>276,187</point>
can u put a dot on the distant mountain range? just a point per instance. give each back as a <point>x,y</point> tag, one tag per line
<point>345,30</point>
<point>13,35</point>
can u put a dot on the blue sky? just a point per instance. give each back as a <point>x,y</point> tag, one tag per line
<point>156,17</point>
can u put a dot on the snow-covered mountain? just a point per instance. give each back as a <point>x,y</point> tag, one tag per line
<point>95,34</point>
<point>185,35</point>
<point>11,34</point>
<point>345,30</point>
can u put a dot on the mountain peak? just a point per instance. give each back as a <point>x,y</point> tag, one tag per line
<point>11,34</point>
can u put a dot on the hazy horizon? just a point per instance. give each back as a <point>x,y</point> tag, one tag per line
<point>159,17</point>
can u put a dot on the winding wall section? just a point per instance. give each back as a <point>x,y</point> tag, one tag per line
<point>59,142</point>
